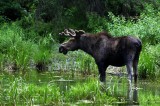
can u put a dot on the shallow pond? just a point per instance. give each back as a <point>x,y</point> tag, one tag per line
<point>36,89</point>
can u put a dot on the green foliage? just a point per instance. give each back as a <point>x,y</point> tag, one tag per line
<point>146,27</point>
<point>43,49</point>
<point>96,23</point>
<point>13,47</point>
<point>10,10</point>
<point>21,54</point>
<point>69,14</point>
<point>150,62</point>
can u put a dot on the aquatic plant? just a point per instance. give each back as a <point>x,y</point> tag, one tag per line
<point>90,90</point>
<point>19,92</point>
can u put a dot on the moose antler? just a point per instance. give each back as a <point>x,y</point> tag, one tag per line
<point>68,32</point>
<point>71,32</point>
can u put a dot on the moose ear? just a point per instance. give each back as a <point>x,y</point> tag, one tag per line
<point>79,33</point>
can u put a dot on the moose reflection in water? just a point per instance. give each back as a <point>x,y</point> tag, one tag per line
<point>105,49</point>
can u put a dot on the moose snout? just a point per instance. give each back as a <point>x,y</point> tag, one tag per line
<point>63,50</point>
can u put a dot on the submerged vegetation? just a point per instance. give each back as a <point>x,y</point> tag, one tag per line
<point>29,41</point>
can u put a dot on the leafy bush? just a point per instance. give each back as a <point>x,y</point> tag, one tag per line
<point>146,27</point>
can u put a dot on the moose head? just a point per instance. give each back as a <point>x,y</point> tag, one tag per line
<point>73,43</point>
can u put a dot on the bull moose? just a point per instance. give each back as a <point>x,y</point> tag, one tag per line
<point>105,49</point>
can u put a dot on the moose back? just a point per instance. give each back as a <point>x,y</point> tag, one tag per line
<point>105,49</point>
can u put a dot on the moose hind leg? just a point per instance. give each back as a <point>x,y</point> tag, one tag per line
<point>102,71</point>
<point>135,70</point>
<point>102,76</point>
<point>135,66</point>
<point>129,70</point>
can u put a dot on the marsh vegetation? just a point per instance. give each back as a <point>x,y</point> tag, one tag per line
<point>32,72</point>
<point>62,88</point>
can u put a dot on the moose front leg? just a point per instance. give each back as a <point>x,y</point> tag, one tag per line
<point>102,71</point>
